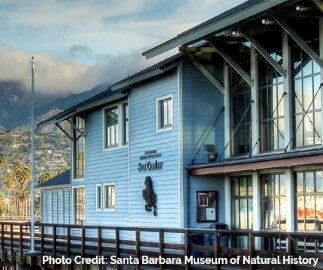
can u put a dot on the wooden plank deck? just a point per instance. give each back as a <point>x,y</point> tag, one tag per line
<point>89,241</point>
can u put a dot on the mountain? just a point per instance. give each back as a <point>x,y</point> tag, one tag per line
<point>15,103</point>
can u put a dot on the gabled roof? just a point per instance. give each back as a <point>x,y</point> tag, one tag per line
<point>217,24</point>
<point>63,179</point>
<point>116,91</point>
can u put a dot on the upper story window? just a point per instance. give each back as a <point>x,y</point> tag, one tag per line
<point>79,147</point>
<point>112,127</point>
<point>271,105</point>
<point>125,123</point>
<point>307,97</point>
<point>116,126</point>
<point>165,113</point>
<point>240,114</point>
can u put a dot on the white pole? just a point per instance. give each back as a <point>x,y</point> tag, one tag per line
<point>32,221</point>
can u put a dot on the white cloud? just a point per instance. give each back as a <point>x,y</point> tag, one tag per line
<point>110,34</point>
<point>59,76</point>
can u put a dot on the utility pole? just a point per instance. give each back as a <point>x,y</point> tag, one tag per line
<point>32,221</point>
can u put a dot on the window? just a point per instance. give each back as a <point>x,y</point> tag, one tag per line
<point>99,197</point>
<point>307,96</point>
<point>207,208</point>
<point>116,125</point>
<point>242,193</point>
<point>109,196</point>
<point>273,190</point>
<point>165,113</point>
<point>112,137</point>
<point>309,200</point>
<point>240,114</point>
<point>125,123</point>
<point>271,105</point>
<point>79,205</point>
<point>79,147</point>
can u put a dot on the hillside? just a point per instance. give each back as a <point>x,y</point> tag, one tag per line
<point>15,103</point>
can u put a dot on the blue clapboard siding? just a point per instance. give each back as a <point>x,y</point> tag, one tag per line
<point>202,104</point>
<point>104,166</point>
<point>55,207</point>
<point>143,137</point>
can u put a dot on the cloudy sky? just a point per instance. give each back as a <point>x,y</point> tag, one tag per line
<point>78,43</point>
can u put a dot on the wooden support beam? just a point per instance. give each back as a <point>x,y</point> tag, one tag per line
<point>264,53</point>
<point>76,128</point>
<point>198,49</point>
<point>233,63</point>
<point>57,124</point>
<point>203,70</point>
<point>298,40</point>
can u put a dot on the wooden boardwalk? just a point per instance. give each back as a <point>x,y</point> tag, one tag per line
<point>59,240</point>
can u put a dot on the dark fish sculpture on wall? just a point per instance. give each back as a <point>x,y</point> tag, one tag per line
<point>149,196</point>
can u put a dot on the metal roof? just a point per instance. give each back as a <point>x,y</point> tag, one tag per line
<point>97,100</point>
<point>60,180</point>
<point>149,72</point>
<point>217,24</point>
<point>116,91</point>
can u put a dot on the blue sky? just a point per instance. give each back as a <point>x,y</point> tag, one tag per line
<point>84,39</point>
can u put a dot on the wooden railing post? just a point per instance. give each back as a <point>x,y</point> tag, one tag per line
<point>161,246</point>
<point>11,242</point>
<point>83,242</point>
<point>117,244</point>
<point>100,241</point>
<point>138,247</point>
<point>42,239</point>
<point>217,249</point>
<point>2,242</point>
<point>68,240</point>
<point>54,241</point>
<point>251,243</point>
<point>291,249</point>
<point>21,243</point>
<point>188,248</point>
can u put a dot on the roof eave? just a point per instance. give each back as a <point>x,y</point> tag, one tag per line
<point>65,186</point>
<point>198,34</point>
<point>126,83</point>
<point>98,103</point>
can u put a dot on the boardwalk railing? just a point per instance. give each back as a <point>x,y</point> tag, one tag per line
<point>90,241</point>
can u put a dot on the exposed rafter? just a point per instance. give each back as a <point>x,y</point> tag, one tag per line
<point>76,128</point>
<point>233,64</point>
<point>298,40</point>
<point>198,49</point>
<point>203,70</point>
<point>63,130</point>
<point>264,53</point>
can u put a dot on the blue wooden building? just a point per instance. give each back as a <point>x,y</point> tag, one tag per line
<point>228,130</point>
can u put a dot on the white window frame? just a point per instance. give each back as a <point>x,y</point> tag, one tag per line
<point>105,197</point>
<point>158,115</point>
<point>73,154</point>
<point>73,202</point>
<point>121,129</point>
<point>97,198</point>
